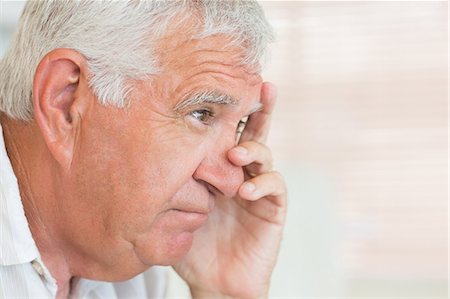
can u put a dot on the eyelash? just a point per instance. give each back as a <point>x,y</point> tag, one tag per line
<point>209,116</point>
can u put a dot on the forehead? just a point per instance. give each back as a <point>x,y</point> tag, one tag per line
<point>200,65</point>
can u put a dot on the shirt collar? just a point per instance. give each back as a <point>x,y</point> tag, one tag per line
<point>16,243</point>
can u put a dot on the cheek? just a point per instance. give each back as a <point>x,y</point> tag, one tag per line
<point>130,173</point>
<point>149,174</point>
<point>174,155</point>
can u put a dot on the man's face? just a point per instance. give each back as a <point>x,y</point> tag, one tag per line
<point>144,177</point>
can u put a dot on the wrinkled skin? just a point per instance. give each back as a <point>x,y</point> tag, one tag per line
<point>120,190</point>
<point>179,162</point>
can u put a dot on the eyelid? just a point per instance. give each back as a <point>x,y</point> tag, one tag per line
<point>190,109</point>
<point>210,115</point>
<point>210,112</point>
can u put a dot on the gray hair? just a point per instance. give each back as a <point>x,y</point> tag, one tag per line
<point>118,40</point>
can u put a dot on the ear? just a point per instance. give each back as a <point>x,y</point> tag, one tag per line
<point>61,97</point>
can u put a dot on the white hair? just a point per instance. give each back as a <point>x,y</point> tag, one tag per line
<point>118,40</point>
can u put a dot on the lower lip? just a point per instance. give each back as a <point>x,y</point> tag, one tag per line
<point>190,220</point>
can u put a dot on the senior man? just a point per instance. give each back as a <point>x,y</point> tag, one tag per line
<point>123,147</point>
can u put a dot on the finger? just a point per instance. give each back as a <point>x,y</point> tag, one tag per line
<point>258,123</point>
<point>269,185</point>
<point>265,209</point>
<point>257,157</point>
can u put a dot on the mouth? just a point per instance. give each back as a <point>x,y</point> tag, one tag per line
<point>190,220</point>
<point>191,212</point>
<point>196,206</point>
<point>187,211</point>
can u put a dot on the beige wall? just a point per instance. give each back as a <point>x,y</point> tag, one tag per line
<point>361,135</point>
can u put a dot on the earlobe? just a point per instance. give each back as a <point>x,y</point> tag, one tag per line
<point>58,100</point>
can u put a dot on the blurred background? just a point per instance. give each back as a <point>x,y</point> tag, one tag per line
<point>361,135</point>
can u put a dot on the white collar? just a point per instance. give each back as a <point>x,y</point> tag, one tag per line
<point>17,246</point>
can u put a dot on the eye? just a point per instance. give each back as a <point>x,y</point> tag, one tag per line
<point>240,128</point>
<point>203,115</point>
<point>241,125</point>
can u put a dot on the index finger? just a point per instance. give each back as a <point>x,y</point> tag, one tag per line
<point>258,123</point>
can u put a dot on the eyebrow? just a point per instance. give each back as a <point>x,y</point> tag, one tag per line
<point>212,97</point>
<point>206,97</point>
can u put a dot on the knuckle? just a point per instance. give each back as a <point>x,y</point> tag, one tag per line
<point>261,149</point>
<point>277,175</point>
<point>280,182</point>
<point>250,145</point>
<point>253,144</point>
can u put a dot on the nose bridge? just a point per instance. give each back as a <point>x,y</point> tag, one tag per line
<point>217,170</point>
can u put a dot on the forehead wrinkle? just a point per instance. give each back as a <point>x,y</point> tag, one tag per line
<point>206,97</point>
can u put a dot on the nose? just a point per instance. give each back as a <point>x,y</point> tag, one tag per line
<point>219,173</point>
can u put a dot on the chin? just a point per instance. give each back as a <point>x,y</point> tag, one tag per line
<point>167,250</point>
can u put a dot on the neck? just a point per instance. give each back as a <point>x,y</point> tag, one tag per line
<point>38,194</point>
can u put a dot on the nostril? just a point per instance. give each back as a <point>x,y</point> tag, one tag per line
<point>211,189</point>
<point>220,176</point>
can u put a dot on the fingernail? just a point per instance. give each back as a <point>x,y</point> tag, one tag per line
<point>241,150</point>
<point>249,187</point>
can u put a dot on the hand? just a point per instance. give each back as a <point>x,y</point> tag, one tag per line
<point>234,253</point>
